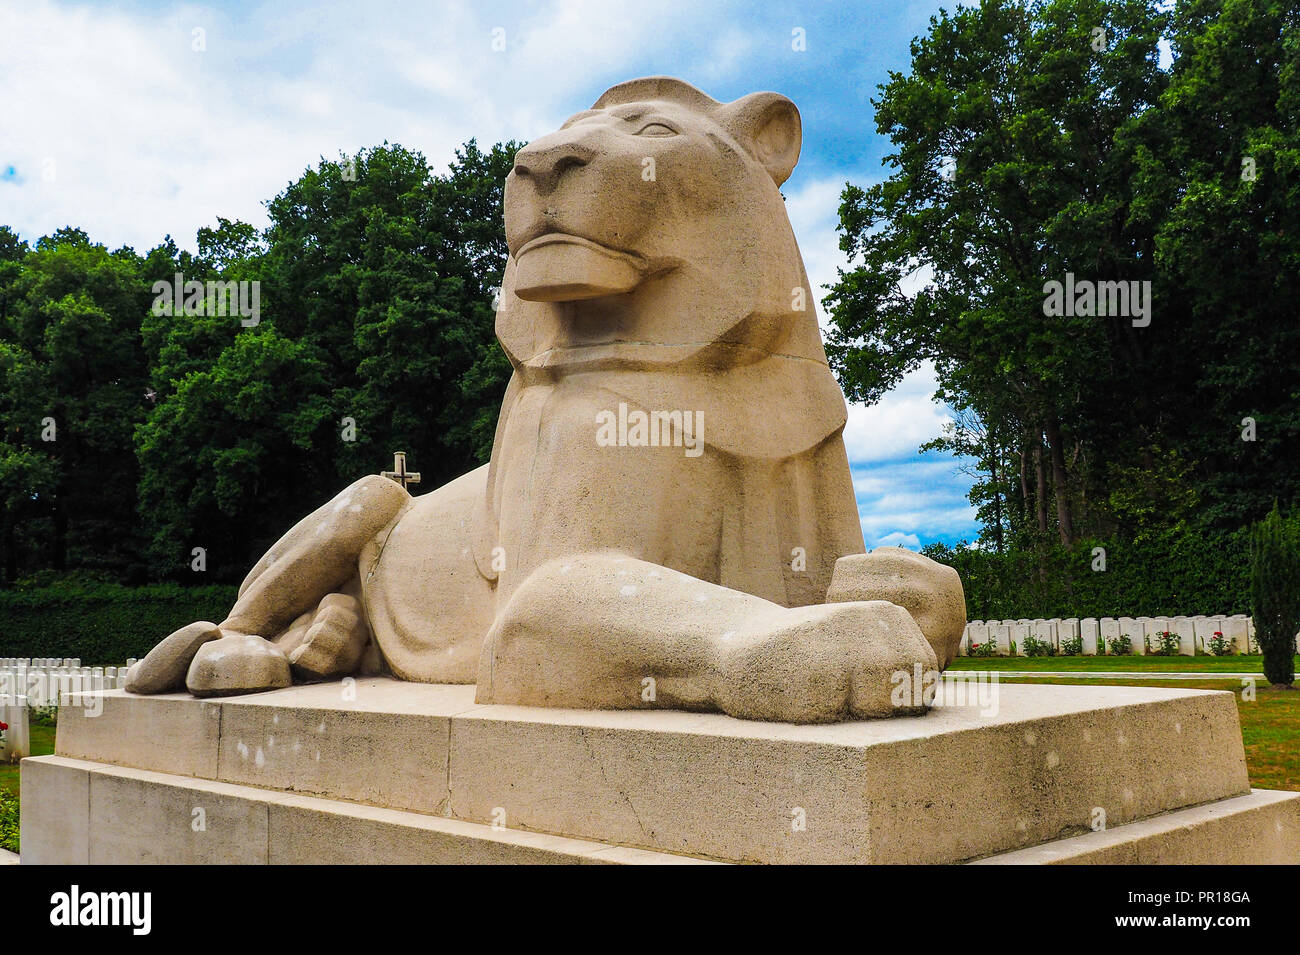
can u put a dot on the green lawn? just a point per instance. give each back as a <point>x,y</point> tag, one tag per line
<point>1270,726</point>
<point>1233,664</point>
<point>42,745</point>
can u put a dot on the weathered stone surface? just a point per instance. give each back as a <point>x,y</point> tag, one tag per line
<point>238,663</point>
<point>333,644</point>
<point>163,669</point>
<point>742,655</point>
<point>176,820</point>
<point>701,784</point>
<point>55,821</point>
<point>165,731</point>
<point>1260,828</point>
<point>931,592</point>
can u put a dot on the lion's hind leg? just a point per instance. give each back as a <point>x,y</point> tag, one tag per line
<point>316,560</point>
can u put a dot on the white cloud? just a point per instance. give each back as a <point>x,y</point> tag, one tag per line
<point>897,425</point>
<point>149,137</point>
<point>898,539</point>
<point>813,207</point>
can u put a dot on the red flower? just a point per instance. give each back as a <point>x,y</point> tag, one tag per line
<point>3,727</point>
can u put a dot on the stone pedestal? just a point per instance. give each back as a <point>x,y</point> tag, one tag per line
<point>379,771</point>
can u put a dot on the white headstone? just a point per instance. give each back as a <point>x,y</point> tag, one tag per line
<point>1045,631</point>
<point>1067,629</point>
<point>1090,632</point>
<point>1018,634</point>
<point>1204,628</point>
<point>1152,628</point>
<point>1000,634</point>
<point>18,737</point>
<point>1131,627</point>
<point>1236,629</point>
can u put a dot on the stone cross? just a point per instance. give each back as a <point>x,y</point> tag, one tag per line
<point>399,472</point>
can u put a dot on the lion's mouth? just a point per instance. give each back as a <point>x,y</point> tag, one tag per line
<point>559,267</point>
<point>552,236</point>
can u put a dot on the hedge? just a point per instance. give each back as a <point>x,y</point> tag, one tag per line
<point>1179,574</point>
<point>8,821</point>
<point>102,623</point>
<point>1183,574</point>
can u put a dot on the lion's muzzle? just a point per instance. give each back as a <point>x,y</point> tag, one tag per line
<point>556,267</point>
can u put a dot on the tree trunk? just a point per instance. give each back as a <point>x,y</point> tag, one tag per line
<point>60,535</point>
<point>997,497</point>
<point>11,553</point>
<point>1060,483</point>
<point>1024,487</point>
<point>1040,475</point>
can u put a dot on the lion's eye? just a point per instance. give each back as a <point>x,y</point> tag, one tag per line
<point>657,129</point>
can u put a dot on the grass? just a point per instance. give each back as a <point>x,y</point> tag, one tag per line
<point>1270,726</point>
<point>42,745</point>
<point>1233,664</point>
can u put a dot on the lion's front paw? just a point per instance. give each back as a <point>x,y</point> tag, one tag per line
<point>931,592</point>
<point>824,663</point>
<point>164,667</point>
<point>237,663</point>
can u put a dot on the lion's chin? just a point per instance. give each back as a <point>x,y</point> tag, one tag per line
<point>565,268</point>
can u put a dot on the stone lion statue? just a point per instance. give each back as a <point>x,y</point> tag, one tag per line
<point>668,518</point>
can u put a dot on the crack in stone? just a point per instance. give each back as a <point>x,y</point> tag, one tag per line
<point>582,733</point>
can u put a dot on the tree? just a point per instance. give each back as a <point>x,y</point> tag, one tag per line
<point>1224,194</point>
<point>472,197</point>
<point>1043,139</point>
<point>376,334</point>
<point>225,457</point>
<point>1275,594</point>
<point>134,430</point>
<point>994,490</point>
<point>72,385</point>
<point>1015,142</point>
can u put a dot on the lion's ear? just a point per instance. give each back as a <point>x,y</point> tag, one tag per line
<point>768,125</point>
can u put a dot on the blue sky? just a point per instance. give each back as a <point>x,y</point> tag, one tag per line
<point>116,123</point>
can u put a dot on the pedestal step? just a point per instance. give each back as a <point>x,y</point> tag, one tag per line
<point>79,812</point>
<point>1260,828</point>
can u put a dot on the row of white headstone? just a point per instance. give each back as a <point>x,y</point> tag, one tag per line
<point>42,680</point>
<point>26,682</point>
<point>1097,636</point>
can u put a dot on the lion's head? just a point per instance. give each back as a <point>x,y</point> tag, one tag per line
<point>649,230</point>
<point>652,267</point>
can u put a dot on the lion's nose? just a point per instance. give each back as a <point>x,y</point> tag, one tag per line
<point>544,165</point>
